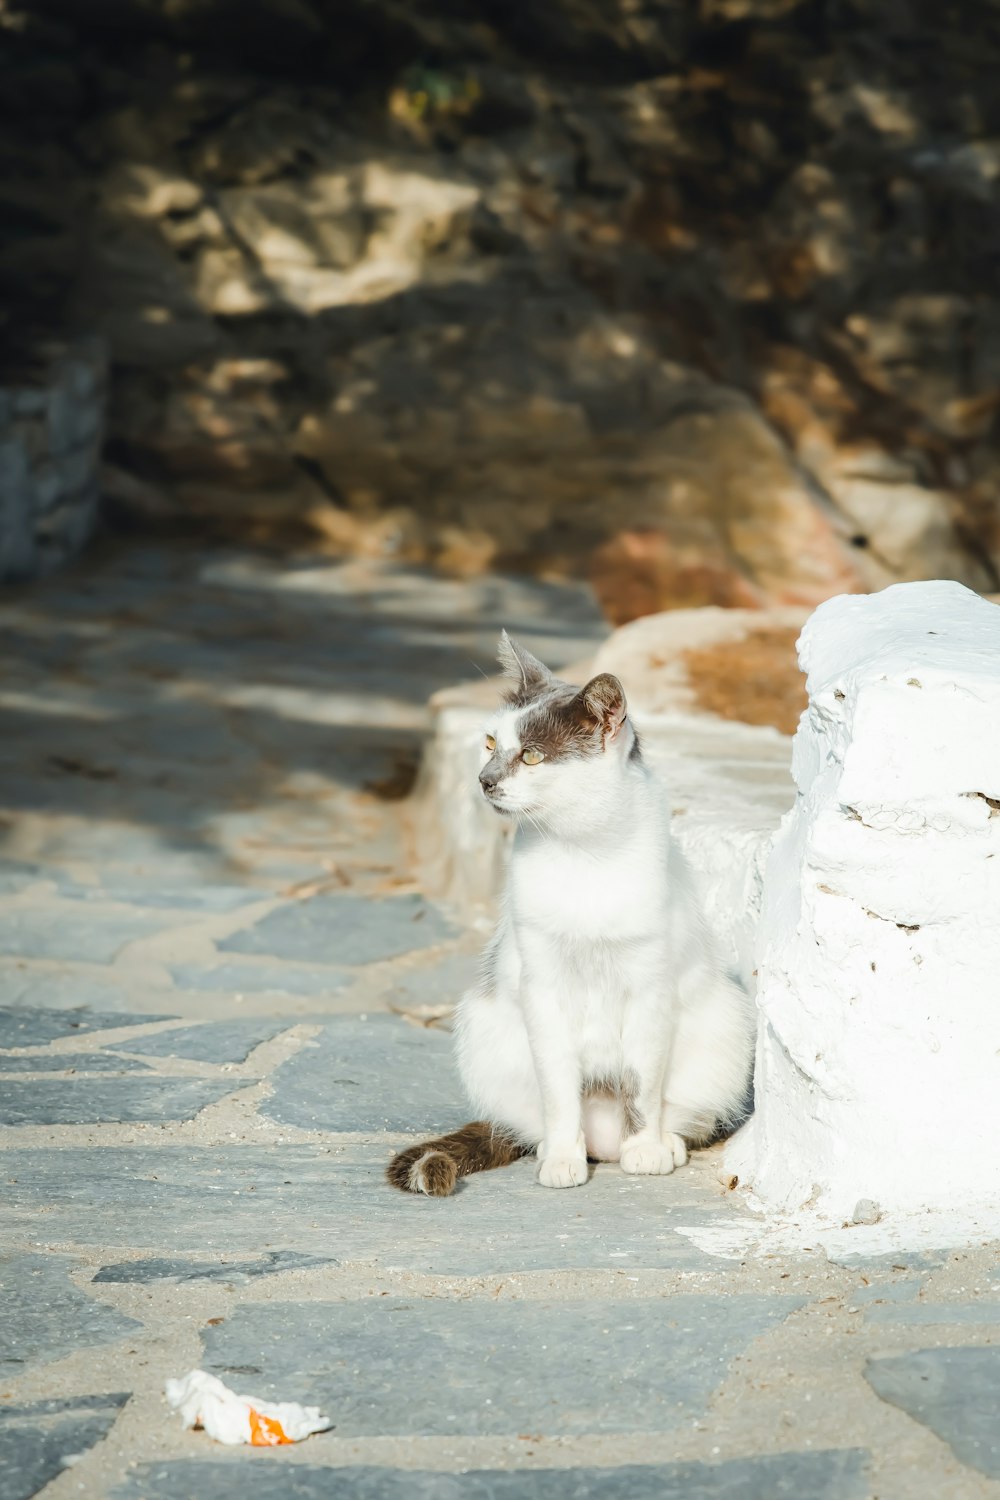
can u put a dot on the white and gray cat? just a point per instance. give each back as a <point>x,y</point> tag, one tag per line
<point>603,1024</point>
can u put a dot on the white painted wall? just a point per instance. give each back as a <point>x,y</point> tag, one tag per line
<point>878,951</point>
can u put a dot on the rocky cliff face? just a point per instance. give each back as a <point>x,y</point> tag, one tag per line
<point>701,298</point>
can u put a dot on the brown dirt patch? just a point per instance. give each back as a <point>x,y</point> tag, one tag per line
<point>642,572</point>
<point>755,680</point>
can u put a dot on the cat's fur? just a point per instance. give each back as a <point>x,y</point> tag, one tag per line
<point>603,1024</point>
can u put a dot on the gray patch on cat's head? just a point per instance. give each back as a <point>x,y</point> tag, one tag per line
<point>559,719</point>
<point>568,726</point>
<point>565,721</point>
<point>560,725</point>
<point>605,697</point>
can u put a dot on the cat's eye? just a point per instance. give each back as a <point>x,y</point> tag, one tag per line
<point>491,743</point>
<point>532,757</point>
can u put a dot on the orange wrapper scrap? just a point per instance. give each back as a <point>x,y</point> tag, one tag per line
<point>203,1401</point>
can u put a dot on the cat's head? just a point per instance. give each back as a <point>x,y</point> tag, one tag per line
<point>552,750</point>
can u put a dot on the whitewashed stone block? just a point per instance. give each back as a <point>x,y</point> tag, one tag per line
<point>878,1062</point>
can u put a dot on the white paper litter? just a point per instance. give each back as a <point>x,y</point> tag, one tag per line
<point>203,1401</point>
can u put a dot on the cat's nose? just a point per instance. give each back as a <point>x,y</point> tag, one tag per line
<point>488,780</point>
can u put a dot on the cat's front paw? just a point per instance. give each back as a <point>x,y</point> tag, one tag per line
<point>653,1158</point>
<point>678,1146</point>
<point>562,1171</point>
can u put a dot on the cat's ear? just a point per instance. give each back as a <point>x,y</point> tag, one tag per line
<point>528,675</point>
<point>604,698</point>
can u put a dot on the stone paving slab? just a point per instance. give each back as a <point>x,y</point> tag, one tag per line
<point>833,1475</point>
<point>246,1198</point>
<point>436,1368</point>
<point>908,1260</point>
<point>980,1313</point>
<point>442,984</point>
<point>212,1042</point>
<point>260,978</point>
<point>17,875</point>
<point>62,930</point>
<point>91,1101</point>
<point>25,985</point>
<point>158,1268</point>
<point>207,898</point>
<point>187,736</point>
<point>378,1073</point>
<point>39,1439</point>
<point>23,1027</point>
<point>68,1062</point>
<point>889,1291</point>
<point>45,1316</point>
<point>954,1392</point>
<point>344,929</point>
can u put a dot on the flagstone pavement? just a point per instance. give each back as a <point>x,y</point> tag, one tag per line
<point>220,1011</point>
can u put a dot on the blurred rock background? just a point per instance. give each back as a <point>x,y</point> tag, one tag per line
<point>699,299</point>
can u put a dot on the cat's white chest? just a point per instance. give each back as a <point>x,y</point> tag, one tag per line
<point>572,895</point>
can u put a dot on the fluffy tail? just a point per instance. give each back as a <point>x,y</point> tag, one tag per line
<point>435,1166</point>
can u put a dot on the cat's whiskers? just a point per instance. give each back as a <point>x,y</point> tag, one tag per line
<point>534,820</point>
